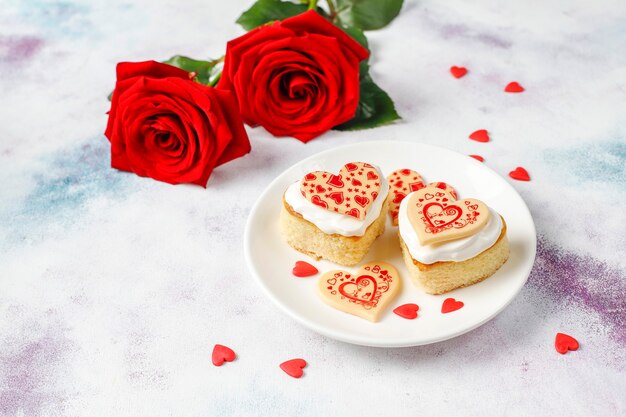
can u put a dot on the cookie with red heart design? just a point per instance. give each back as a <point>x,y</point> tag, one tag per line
<point>449,243</point>
<point>365,293</point>
<point>436,216</point>
<point>403,182</point>
<point>351,192</point>
<point>336,216</point>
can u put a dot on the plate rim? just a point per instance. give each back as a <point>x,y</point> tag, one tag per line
<point>362,340</point>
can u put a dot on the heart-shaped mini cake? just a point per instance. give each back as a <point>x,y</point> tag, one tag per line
<point>405,181</point>
<point>365,293</point>
<point>351,192</point>
<point>436,215</point>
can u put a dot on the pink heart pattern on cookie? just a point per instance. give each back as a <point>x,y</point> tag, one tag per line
<point>351,192</point>
<point>403,182</point>
<point>436,215</point>
<point>364,294</point>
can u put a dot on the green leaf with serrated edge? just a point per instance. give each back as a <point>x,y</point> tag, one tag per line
<point>264,11</point>
<point>367,14</point>
<point>375,106</point>
<point>205,70</point>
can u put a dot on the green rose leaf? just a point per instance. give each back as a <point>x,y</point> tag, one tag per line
<point>375,106</point>
<point>264,11</point>
<point>367,14</point>
<point>206,71</point>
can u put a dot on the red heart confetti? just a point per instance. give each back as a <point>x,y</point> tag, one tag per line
<point>480,136</point>
<point>458,72</point>
<point>407,311</point>
<point>519,174</point>
<point>222,354</point>
<point>564,342</point>
<point>478,158</point>
<point>450,304</point>
<point>293,367</point>
<point>513,87</point>
<point>304,269</point>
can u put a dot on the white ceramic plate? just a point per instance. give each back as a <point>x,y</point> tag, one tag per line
<point>271,260</point>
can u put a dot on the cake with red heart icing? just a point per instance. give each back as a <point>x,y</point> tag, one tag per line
<point>336,216</point>
<point>449,243</point>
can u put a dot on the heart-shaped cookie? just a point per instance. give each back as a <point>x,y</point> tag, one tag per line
<point>365,293</point>
<point>403,182</point>
<point>436,216</point>
<point>351,192</point>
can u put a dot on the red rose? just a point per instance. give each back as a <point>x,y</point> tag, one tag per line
<point>165,126</point>
<point>298,77</point>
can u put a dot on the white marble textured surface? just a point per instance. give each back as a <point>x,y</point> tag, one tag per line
<point>114,288</point>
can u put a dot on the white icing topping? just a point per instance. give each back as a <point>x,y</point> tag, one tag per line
<point>456,250</point>
<point>330,222</point>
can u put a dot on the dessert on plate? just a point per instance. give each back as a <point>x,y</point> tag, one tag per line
<point>404,181</point>
<point>448,243</point>
<point>365,294</point>
<point>336,217</point>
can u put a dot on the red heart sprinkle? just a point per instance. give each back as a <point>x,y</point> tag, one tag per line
<point>407,311</point>
<point>222,354</point>
<point>293,367</point>
<point>480,136</point>
<point>304,269</point>
<point>564,342</point>
<point>519,174</point>
<point>450,304</point>
<point>458,72</point>
<point>478,158</point>
<point>513,87</point>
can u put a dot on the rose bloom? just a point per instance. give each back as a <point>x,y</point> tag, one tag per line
<point>165,126</point>
<point>297,77</point>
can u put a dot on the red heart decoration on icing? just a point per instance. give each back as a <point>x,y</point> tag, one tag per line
<point>361,201</point>
<point>564,342</point>
<point>519,174</point>
<point>356,182</point>
<point>222,354</point>
<point>398,197</point>
<point>458,72</point>
<point>318,201</point>
<point>450,304</point>
<point>354,213</point>
<point>407,311</point>
<point>335,181</point>
<point>293,367</point>
<point>304,269</point>
<point>439,216</point>
<point>480,135</point>
<point>513,87</point>
<point>478,158</point>
<point>362,289</point>
<point>337,197</point>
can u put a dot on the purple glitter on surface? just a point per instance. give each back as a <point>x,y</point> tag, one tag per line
<point>16,49</point>
<point>596,285</point>
<point>31,368</point>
